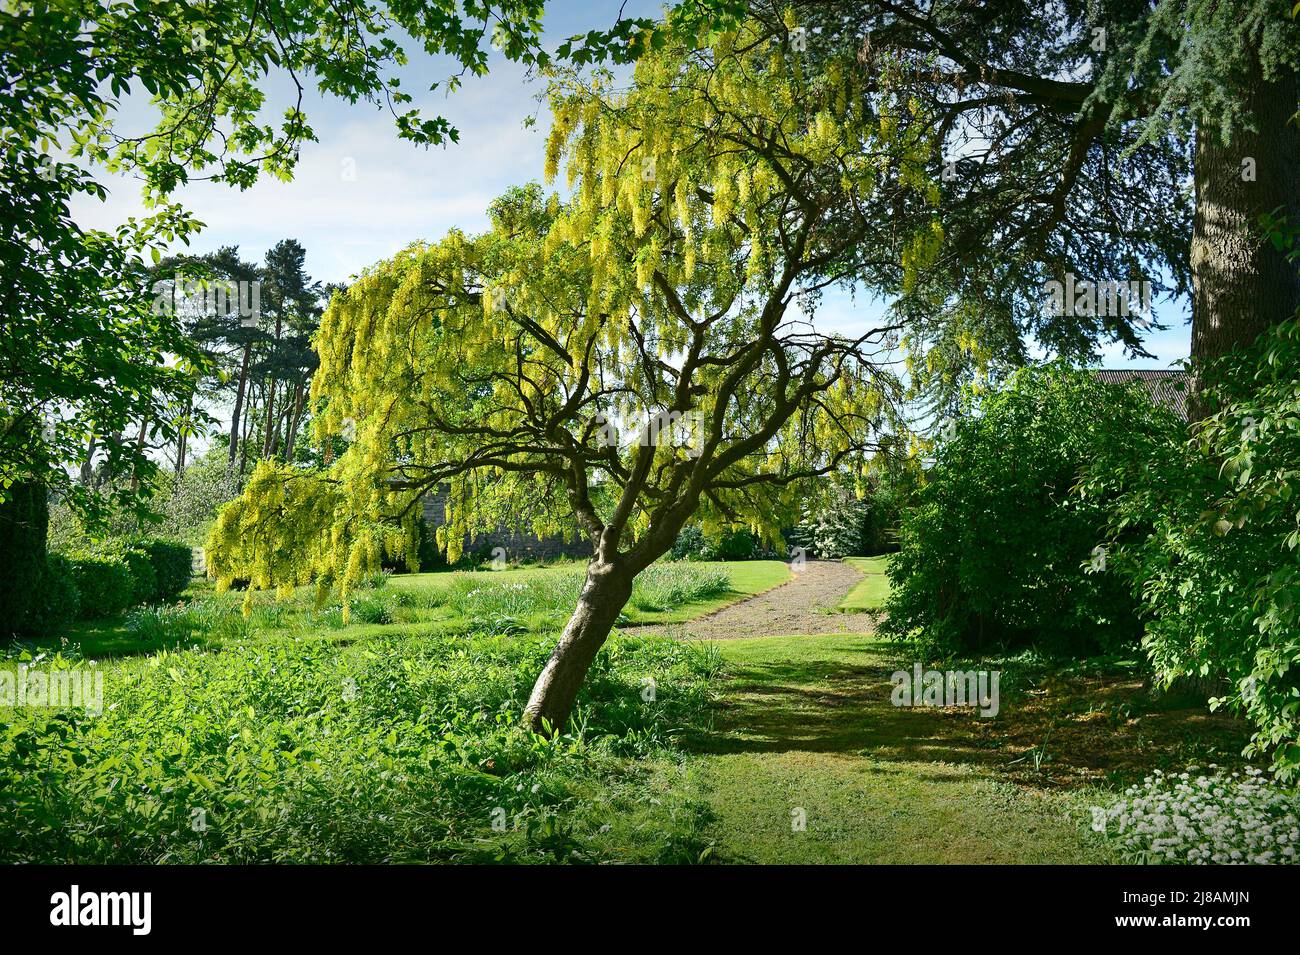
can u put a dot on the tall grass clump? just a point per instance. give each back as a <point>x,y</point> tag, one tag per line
<point>670,585</point>
<point>545,600</point>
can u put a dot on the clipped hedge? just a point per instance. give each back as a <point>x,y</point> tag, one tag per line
<point>172,564</point>
<point>738,544</point>
<point>111,579</point>
<point>105,582</point>
<point>58,601</point>
<point>144,581</point>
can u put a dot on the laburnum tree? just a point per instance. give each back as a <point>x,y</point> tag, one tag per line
<point>643,346</point>
<point>90,374</point>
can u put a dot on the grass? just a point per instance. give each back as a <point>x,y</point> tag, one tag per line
<point>807,724</point>
<point>513,600</point>
<point>395,737</point>
<point>872,591</point>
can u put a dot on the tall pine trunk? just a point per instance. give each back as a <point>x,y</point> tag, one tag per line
<point>1241,285</point>
<point>291,426</point>
<point>268,439</point>
<point>239,402</point>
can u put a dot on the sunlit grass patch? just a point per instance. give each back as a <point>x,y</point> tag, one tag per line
<point>872,591</point>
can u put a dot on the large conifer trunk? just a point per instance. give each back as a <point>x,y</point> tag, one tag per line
<point>604,594</point>
<point>1241,285</point>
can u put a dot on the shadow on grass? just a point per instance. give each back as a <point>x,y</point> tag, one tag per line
<point>828,707</point>
<point>110,639</point>
<point>833,696</point>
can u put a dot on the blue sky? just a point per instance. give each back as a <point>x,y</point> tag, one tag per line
<point>360,193</point>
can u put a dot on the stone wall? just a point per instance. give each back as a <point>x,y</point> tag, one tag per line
<point>520,542</point>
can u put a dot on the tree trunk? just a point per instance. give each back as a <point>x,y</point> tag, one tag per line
<point>1241,285</point>
<point>139,450</point>
<point>87,473</point>
<point>268,439</point>
<point>182,438</point>
<point>248,431</point>
<point>291,427</point>
<point>605,592</point>
<point>239,401</point>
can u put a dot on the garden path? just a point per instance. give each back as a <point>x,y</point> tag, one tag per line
<point>804,604</point>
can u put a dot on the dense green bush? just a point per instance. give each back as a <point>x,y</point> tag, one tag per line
<point>1220,575</point>
<point>891,487</point>
<point>689,544</point>
<point>144,580</point>
<point>104,582</point>
<point>737,544</point>
<point>172,563</point>
<point>23,518</point>
<point>58,599</point>
<point>402,750</point>
<point>998,549</point>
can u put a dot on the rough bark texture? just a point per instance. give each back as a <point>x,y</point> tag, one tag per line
<point>1241,285</point>
<point>606,590</point>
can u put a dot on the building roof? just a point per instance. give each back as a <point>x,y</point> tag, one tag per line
<point>1168,388</point>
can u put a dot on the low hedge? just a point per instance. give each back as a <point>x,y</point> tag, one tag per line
<point>144,580</point>
<point>58,600</point>
<point>105,582</point>
<point>116,577</point>
<point>172,566</point>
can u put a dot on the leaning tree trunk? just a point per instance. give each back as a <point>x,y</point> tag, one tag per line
<point>606,590</point>
<point>1241,285</point>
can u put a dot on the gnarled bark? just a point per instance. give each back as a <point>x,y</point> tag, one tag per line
<point>604,593</point>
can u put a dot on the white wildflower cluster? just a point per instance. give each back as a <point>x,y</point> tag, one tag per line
<point>1216,819</point>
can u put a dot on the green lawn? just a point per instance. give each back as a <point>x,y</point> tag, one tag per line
<point>872,591</point>
<point>742,739</point>
<point>410,604</point>
<point>806,724</point>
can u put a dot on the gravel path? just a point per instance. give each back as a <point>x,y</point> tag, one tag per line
<point>799,606</point>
